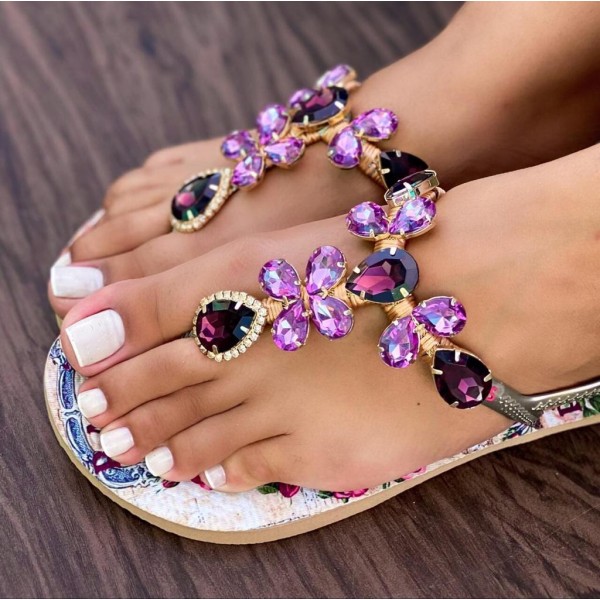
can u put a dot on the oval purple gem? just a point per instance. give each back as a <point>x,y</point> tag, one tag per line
<point>272,121</point>
<point>279,280</point>
<point>326,266</point>
<point>339,74</point>
<point>290,328</point>
<point>376,124</point>
<point>193,198</point>
<point>249,171</point>
<point>322,106</point>
<point>238,144</point>
<point>223,324</point>
<point>395,165</point>
<point>345,149</point>
<point>441,315</point>
<point>385,276</point>
<point>367,219</point>
<point>399,343</point>
<point>461,379</point>
<point>415,216</point>
<point>331,316</point>
<point>285,152</point>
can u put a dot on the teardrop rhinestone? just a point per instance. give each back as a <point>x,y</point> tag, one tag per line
<point>271,123</point>
<point>415,217</point>
<point>331,316</point>
<point>385,276</point>
<point>195,196</point>
<point>249,171</point>
<point>441,315</point>
<point>399,343</point>
<point>320,107</point>
<point>238,144</point>
<point>285,152</point>
<point>345,149</point>
<point>280,280</point>
<point>376,124</point>
<point>326,266</point>
<point>367,219</point>
<point>340,74</point>
<point>461,379</point>
<point>395,165</point>
<point>290,328</point>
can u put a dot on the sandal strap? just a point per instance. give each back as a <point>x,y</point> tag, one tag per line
<point>528,409</point>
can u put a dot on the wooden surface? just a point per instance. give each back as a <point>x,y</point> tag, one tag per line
<point>87,91</point>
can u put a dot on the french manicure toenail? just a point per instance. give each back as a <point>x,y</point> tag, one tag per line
<point>75,282</point>
<point>116,442</point>
<point>215,477</point>
<point>159,461</point>
<point>92,403</point>
<point>63,260</point>
<point>96,337</point>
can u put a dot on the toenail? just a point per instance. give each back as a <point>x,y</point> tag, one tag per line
<point>75,282</point>
<point>159,461</point>
<point>92,403</point>
<point>215,477</point>
<point>96,337</point>
<point>117,441</point>
<point>63,260</point>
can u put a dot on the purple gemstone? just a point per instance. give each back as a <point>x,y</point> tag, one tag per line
<point>399,343</point>
<point>376,124</point>
<point>325,268</point>
<point>322,106</point>
<point>300,96</point>
<point>461,379</point>
<point>195,196</point>
<point>385,276</point>
<point>238,144</point>
<point>290,328</point>
<point>279,280</point>
<point>332,317</point>
<point>271,122</point>
<point>441,315</point>
<point>335,76</point>
<point>223,324</point>
<point>345,149</point>
<point>415,216</point>
<point>367,219</point>
<point>285,152</point>
<point>396,165</point>
<point>249,171</point>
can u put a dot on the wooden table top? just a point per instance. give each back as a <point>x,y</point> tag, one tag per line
<point>87,90</point>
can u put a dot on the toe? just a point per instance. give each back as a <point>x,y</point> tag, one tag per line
<point>201,153</point>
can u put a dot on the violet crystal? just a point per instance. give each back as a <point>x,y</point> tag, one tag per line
<point>345,149</point>
<point>285,152</point>
<point>415,216</point>
<point>280,280</point>
<point>271,123</point>
<point>238,144</point>
<point>376,124</point>
<point>460,378</point>
<point>248,171</point>
<point>441,315</point>
<point>385,276</point>
<point>300,96</point>
<point>331,316</point>
<point>290,328</point>
<point>399,343</point>
<point>335,76</point>
<point>325,268</point>
<point>367,219</point>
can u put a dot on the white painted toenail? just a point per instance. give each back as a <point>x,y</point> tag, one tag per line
<point>75,282</point>
<point>215,477</point>
<point>116,441</point>
<point>96,337</point>
<point>63,260</point>
<point>159,461</point>
<point>92,403</point>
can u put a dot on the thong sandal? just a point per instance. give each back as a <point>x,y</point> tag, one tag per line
<point>277,510</point>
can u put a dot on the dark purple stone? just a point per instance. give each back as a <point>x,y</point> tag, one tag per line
<point>413,179</point>
<point>385,276</point>
<point>321,107</point>
<point>462,381</point>
<point>395,165</point>
<point>221,326</point>
<point>193,198</point>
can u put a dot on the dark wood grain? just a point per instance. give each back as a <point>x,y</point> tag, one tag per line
<point>86,92</point>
